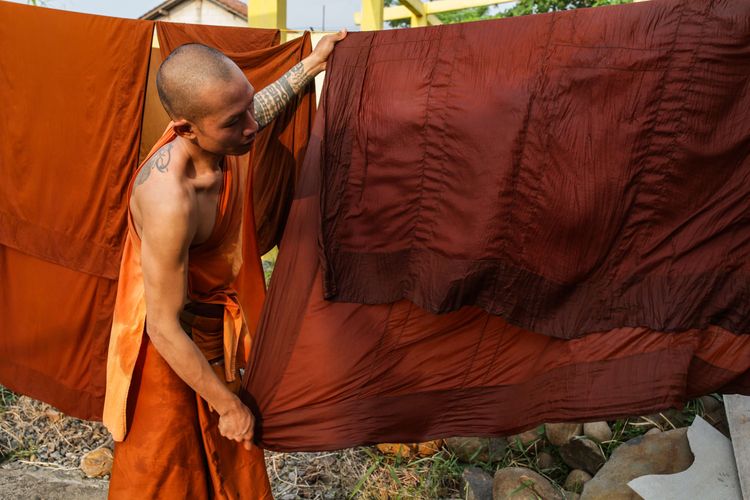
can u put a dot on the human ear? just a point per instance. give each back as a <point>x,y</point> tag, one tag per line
<point>184,128</point>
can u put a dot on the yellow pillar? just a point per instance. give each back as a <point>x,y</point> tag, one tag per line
<point>417,21</point>
<point>267,14</point>
<point>372,15</point>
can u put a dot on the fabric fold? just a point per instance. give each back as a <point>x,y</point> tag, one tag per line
<point>66,164</point>
<point>591,175</point>
<point>72,97</point>
<point>574,186</point>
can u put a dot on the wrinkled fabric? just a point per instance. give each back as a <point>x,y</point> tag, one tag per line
<point>572,172</point>
<point>330,374</point>
<point>71,92</point>
<point>66,163</point>
<point>210,466</point>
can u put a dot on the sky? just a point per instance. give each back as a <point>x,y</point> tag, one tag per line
<point>301,14</point>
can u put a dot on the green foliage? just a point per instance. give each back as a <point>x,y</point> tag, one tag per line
<point>522,8</point>
<point>437,476</point>
<point>464,15</point>
<point>269,262</point>
<point>7,398</point>
<point>458,16</point>
<point>525,7</point>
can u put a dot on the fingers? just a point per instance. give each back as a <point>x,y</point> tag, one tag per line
<point>247,435</point>
<point>337,37</point>
<point>237,435</point>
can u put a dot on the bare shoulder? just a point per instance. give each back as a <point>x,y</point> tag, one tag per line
<point>164,161</point>
<point>160,191</point>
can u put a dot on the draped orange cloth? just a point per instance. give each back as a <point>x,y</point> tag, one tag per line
<point>226,271</point>
<point>212,268</point>
<point>158,393</point>
<point>72,90</point>
<point>66,164</point>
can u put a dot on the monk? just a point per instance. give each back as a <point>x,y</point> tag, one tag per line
<point>178,330</point>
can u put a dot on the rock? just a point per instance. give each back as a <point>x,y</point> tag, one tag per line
<point>519,483</point>
<point>666,420</point>
<point>526,438</point>
<point>97,463</point>
<point>476,484</point>
<point>486,450</point>
<point>53,415</point>
<point>583,453</point>
<point>662,453</point>
<point>560,433</point>
<point>429,448</point>
<point>411,450</point>
<point>545,460</point>
<point>30,482</point>
<point>710,403</point>
<point>715,414</point>
<point>598,431</point>
<point>653,430</point>
<point>576,479</point>
<point>570,495</point>
<point>713,473</point>
<point>395,449</point>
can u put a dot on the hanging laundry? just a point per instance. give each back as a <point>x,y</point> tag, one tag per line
<point>72,96</point>
<point>72,126</point>
<point>517,221</point>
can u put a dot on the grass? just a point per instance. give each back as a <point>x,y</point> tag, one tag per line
<point>7,399</point>
<point>10,447</point>
<point>437,476</point>
<point>362,473</point>
<point>269,262</point>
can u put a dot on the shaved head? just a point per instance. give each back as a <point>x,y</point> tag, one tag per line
<point>185,76</point>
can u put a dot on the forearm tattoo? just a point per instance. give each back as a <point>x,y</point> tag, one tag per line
<point>269,102</point>
<point>159,161</point>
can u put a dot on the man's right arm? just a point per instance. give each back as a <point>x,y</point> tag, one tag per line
<point>270,101</point>
<point>167,229</point>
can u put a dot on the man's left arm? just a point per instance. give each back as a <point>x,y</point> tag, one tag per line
<point>269,102</point>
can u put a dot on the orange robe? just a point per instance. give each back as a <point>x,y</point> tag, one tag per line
<point>167,440</point>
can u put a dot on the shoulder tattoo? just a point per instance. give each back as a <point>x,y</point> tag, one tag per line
<point>159,161</point>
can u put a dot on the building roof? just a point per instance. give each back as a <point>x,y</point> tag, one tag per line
<point>236,7</point>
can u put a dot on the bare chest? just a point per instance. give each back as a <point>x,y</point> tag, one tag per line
<point>205,197</point>
<point>207,210</point>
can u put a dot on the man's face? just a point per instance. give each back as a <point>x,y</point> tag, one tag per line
<point>228,126</point>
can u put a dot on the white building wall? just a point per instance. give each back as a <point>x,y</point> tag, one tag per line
<point>203,12</point>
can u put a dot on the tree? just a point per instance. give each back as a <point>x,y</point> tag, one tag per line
<point>458,16</point>
<point>522,8</point>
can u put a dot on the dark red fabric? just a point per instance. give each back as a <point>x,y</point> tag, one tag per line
<point>329,374</point>
<point>571,172</point>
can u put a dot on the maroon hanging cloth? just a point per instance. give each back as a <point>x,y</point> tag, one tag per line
<point>568,189</point>
<point>571,172</point>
